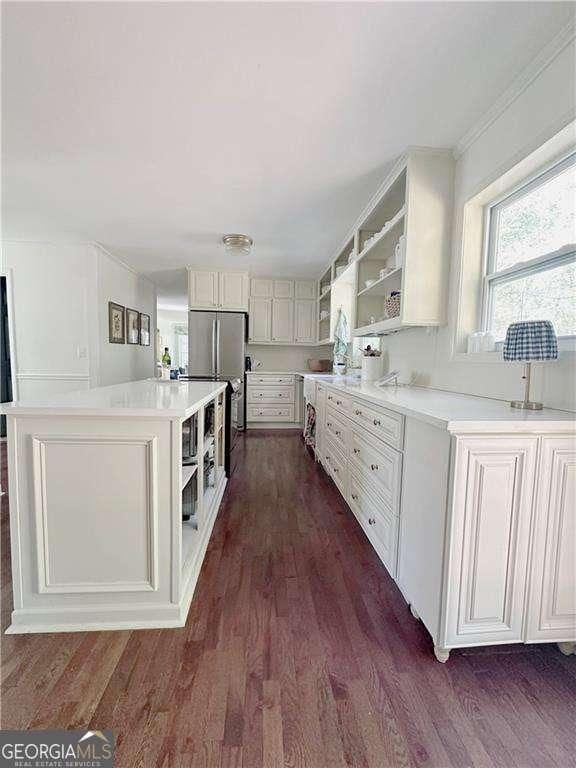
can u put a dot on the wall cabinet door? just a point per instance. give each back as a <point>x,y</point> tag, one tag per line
<point>305,289</point>
<point>203,289</point>
<point>489,533</point>
<point>304,321</point>
<point>261,288</point>
<point>552,600</point>
<point>283,320</point>
<point>283,289</point>
<point>233,290</point>
<point>260,320</point>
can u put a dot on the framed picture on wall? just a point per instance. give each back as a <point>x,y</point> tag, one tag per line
<point>144,330</point>
<point>132,326</point>
<point>116,329</point>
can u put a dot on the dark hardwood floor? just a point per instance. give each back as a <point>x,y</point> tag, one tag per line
<point>298,651</point>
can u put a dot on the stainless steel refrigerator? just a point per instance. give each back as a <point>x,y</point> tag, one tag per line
<point>217,351</point>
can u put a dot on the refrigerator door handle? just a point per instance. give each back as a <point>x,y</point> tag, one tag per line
<point>214,348</point>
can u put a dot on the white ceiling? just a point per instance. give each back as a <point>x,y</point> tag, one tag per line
<point>154,128</point>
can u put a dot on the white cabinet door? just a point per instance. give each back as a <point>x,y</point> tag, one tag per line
<point>552,600</point>
<point>260,320</point>
<point>488,530</point>
<point>305,321</point>
<point>305,289</point>
<point>233,290</point>
<point>261,288</point>
<point>283,289</point>
<point>283,320</point>
<point>203,289</point>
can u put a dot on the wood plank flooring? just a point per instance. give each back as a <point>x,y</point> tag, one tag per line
<point>298,651</point>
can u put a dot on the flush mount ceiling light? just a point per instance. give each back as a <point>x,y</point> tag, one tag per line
<point>238,243</point>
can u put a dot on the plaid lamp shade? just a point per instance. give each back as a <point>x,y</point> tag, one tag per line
<point>531,340</point>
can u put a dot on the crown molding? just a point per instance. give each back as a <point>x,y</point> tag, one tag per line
<point>541,61</point>
<point>86,243</point>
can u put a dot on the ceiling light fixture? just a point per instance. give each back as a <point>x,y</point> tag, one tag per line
<point>238,243</point>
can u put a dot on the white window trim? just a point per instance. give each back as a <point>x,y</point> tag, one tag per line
<point>550,260</point>
<point>466,280</point>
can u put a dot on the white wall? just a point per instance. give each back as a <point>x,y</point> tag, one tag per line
<point>123,362</point>
<point>540,110</point>
<point>60,296</point>
<point>286,358</point>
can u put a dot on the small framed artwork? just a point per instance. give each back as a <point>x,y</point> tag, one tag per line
<point>132,326</point>
<point>144,330</point>
<point>116,329</point>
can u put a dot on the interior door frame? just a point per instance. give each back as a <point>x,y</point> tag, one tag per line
<point>7,273</point>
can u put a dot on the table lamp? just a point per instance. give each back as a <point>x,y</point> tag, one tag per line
<point>527,341</point>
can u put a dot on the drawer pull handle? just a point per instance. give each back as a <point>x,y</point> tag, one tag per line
<point>374,467</point>
<point>358,413</point>
<point>328,423</point>
<point>335,469</point>
<point>356,450</point>
<point>338,402</point>
<point>354,497</point>
<point>371,521</point>
<point>330,397</point>
<point>376,422</point>
<point>337,433</point>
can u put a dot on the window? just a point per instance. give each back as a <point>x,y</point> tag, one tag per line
<point>531,254</point>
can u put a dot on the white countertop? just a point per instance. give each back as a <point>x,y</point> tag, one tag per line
<point>452,411</point>
<point>147,398</point>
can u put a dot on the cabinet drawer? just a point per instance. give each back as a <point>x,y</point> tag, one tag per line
<point>270,413</point>
<point>270,379</point>
<point>338,400</point>
<point>337,430</point>
<point>378,466</point>
<point>380,525</point>
<point>270,394</point>
<point>385,424</point>
<point>336,466</point>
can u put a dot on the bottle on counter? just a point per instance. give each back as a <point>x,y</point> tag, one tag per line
<point>166,363</point>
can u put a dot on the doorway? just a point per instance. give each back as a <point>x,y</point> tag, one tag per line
<point>5,360</point>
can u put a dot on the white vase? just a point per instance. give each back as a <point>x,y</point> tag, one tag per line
<point>371,367</point>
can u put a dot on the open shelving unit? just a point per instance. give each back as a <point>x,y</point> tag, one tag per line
<point>201,480</point>
<point>414,203</point>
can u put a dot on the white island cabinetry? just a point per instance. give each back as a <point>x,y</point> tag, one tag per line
<point>469,504</point>
<point>108,526</point>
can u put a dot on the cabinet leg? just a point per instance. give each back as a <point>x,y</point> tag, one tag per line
<point>567,648</point>
<point>442,654</point>
<point>413,612</point>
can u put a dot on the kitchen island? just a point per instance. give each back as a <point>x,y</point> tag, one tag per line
<point>109,523</point>
<point>469,504</point>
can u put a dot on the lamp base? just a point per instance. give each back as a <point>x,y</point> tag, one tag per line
<point>527,405</point>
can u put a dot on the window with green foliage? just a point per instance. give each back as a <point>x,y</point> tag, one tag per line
<point>531,254</point>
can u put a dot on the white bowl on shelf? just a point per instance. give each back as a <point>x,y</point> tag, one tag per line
<point>370,282</point>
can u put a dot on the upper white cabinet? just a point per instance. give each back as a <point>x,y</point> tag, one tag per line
<point>283,311</point>
<point>304,321</point>
<point>283,289</point>
<point>233,290</point>
<point>219,289</point>
<point>403,246</point>
<point>260,320</point>
<point>203,289</point>
<point>283,321</point>
<point>261,288</point>
<point>305,289</point>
